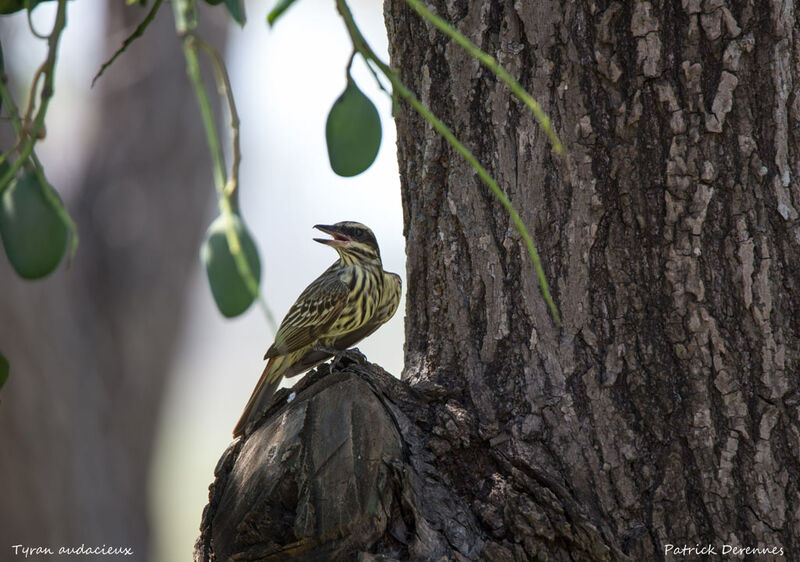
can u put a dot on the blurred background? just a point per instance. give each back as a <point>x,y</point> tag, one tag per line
<point>125,380</point>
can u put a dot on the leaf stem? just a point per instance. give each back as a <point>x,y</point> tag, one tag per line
<point>138,32</point>
<point>225,90</point>
<point>227,190</point>
<point>47,70</point>
<point>29,10</point>
<point>206,114</point>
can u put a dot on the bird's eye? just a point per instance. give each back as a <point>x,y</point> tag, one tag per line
<point>359,232</point>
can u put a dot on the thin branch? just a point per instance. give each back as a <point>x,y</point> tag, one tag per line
<point>13,116</point>
<point>349,65</point>
<point>232,185</point>
<point>38,169</point>
<point>224,86</point>
<point>186,24</point>
<point>138,32</point>
<point>47,70</point>
<point>28,10</point>
<point>377,78</point>
<point>366,51</point>
<point>206,114</point>
<point>491,63</point>
<point>11,108</point>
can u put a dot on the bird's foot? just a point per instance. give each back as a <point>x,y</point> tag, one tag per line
<point>352,355</point>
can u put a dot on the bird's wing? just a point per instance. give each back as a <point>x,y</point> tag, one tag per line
<point>314,311</point>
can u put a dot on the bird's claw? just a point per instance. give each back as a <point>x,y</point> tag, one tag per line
<point>353,355</point>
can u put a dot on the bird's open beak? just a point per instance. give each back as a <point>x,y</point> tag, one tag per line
<point>339,239</point>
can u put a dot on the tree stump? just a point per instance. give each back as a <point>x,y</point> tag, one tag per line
<point>360,466</point>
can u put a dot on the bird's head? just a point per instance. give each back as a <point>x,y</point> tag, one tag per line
<point>352,240</point>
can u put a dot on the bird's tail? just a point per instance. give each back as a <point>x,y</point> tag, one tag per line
<point>262,395</point>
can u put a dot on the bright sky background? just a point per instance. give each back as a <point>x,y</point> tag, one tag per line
<point>284,79</point>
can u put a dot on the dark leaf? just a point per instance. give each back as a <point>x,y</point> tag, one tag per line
<point>33,232</point>
<point>11,6</point>
<point>227,285</point>
<point>236,10</point>
<point>353,132</point>
<point>278,10</point>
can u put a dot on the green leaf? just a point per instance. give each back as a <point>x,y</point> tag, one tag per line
<point>11,6</point>
<point>353,132</point>
<point>4,369</point>
<point>227,285</point>
<point>278,10</point>
<point>236,10</point>
<point>33,233</point>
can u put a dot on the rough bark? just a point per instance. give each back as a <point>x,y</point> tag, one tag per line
<point>360,466</point>
<point>664,410</point>
<point>90,346</point>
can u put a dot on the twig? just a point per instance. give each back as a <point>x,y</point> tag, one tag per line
<point>138,32</point>
<point>186,24</point>
<point>28,10</point>
<point>32,93</point>
<point>349,65</point>
<point>491,63</point>
<point>47,70</point>
<point>232,186</point>
<point>366,51</point>
<point>38,169</point>
<point>224,86</point>
<point>377,78</point>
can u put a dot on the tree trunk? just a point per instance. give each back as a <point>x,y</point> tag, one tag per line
<point>90,346</point>
<point>664,410</point>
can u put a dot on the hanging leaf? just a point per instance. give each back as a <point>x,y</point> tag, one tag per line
<point>353,132</point>
<point>236,10</point>
<point>11,6</point>
<point>278,10</point>
<point>33,232</point>
<point>227,285</point>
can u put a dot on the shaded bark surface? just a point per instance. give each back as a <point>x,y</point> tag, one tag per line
<point>348,470</point>
<point>90,346</point>
<point>664,410</point>
<point>315,479</point>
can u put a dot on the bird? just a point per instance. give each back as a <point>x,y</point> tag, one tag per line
<point>348,302</point>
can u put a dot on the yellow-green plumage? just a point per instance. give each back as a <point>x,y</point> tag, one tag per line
<point>349,301</point>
